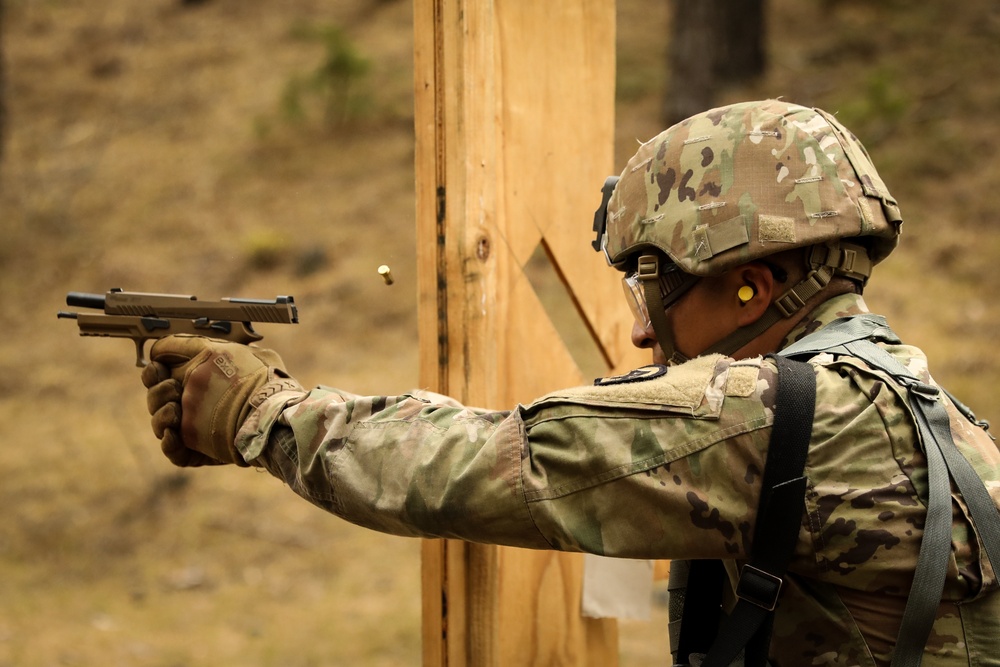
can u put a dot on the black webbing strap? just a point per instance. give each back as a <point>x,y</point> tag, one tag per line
<point>779,517</point>
<point>702,605</point>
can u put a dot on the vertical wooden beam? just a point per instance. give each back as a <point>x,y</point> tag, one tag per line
<point>514,136</point>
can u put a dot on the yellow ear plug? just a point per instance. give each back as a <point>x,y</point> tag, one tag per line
<point>745,293</point>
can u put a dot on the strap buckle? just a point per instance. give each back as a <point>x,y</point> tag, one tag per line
<point>789,303</point>
<point>649,267</point>
<point>759,587</point>
<point>925,391</point>
<point>795,298</point>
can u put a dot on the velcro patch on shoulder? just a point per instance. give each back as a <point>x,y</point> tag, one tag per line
<point>742,380</point>
<point>681,386</point>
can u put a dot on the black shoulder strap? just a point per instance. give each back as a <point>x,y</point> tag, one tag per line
<point>779,516</point>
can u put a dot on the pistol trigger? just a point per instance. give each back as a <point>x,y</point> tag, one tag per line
<point>140,357</point>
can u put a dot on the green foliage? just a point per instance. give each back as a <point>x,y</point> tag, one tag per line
<point>879,110</point>
<point>636,79</point>
<point>265,249</point>
<point>337,85</point>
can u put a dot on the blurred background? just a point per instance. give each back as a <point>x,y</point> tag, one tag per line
<point>251,149</point>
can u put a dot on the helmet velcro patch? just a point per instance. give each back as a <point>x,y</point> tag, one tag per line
<point>776,229</point>
<point>710,240</point>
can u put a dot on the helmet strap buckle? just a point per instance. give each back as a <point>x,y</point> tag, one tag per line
<point>845,259</point>
<point>795,298</point>
<point>649,268</point>
<point>649,276</point>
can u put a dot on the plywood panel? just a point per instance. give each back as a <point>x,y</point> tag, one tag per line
<point>514,130</point>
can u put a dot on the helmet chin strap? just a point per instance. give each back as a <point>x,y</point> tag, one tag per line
<point>826,261</point>
<point>649,275</point>
<point>787,305</point>
<point>658,317</point>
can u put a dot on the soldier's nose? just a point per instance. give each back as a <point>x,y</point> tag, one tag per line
<point>643,338</point>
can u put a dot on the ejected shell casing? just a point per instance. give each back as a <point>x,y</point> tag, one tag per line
<point>386,274</point>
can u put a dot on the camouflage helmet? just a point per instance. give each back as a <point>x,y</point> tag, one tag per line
<point>738,183</point>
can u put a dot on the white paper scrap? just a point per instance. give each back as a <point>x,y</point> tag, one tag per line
<point>617,587</point>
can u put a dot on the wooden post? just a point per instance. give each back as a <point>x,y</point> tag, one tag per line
<point>514,137</point>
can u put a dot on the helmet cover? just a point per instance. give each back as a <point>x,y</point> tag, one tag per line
<point>737,183</point>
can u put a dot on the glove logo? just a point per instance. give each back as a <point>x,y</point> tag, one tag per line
<point>225,365</point>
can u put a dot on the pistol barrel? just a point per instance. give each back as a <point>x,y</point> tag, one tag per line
<point>85,300</point>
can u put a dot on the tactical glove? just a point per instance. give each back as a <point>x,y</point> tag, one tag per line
<point>201,390</point>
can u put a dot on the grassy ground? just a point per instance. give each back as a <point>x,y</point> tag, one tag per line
<point>157,146</point>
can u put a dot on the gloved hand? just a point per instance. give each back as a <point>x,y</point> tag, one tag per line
<point>201,390</point>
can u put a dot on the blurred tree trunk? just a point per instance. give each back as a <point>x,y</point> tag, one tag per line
<point>742,54</point>
<point>3,88</point>
<point>713,43</point>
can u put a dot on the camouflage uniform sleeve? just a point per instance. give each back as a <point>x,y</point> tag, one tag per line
<point>667,467</point>
<point>641,466</point>
<point>412,465</point>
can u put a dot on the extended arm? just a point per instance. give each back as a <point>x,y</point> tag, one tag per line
<point>603,469</point>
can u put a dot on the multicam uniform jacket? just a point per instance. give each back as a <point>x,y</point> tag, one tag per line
<point>666,465</point>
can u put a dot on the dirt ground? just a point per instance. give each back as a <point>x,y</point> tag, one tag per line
<point>171,147</point>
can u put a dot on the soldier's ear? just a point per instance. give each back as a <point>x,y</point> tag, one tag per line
<point>753,289</point>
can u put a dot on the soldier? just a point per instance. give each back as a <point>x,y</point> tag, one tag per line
<point>743,231</point>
